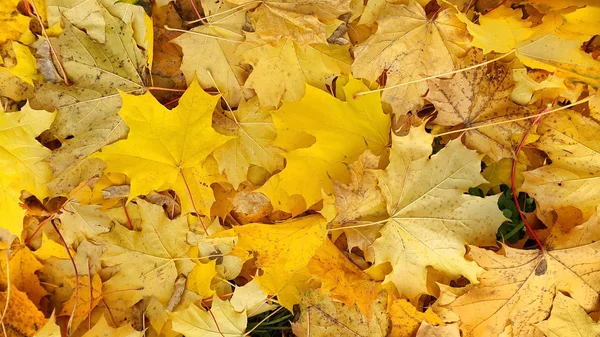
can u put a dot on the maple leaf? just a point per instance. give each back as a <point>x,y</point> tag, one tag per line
<point>321,134</point>
<point>22,158</point>
<point>16,81</point>
<point>222,320</point>
<point>80,222</point>
<point>518,286</point>
<point>408,46</point>
<point>332,318</point>
<point>175,142</point>
<point>87,116</point>
<point>50,329</point>
<point>480,97</point>
<point>281,249</point>
<point>253,129</point>
<point>209,52</point>
<point>571,141</point>
<point>553,45</point>
<point>22,268</point>
<point>103,329</point>
<point>304,22</point>
<point>405,318</point>
<point>281,71</point>
<point>568,319</point>
<point>147,260</point>
<point>429,214</point>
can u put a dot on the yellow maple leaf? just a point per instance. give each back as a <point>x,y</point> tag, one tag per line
<point>22,158</point>
<point>568,319</point>
<point>167,148</point>
<point>281,71</point>
<point>50,329</point>
<point>254,131</point>
<point>304,22</point>
<point>23,266</point>
<point>409,46</point>
<point>430,216</point>
<point>478,97</point>
<point>103,329</point>
<point>553,45</point>
<point>86,298</point>
<point>405,318</point>
<point>322,134</point>
<point>222,320</point>
<point>571,141</point>
<point>281,249</point>
<point>146,259</point>
<point>199,279</point>
<point>209,52</point>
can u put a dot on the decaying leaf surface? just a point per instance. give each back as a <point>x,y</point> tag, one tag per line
<point>304,22</point>
<point>331,318</point>
<point>146,259</point>
<point>408,46</point>
<point>87,111</point>
<point>572,143</point>
<point>281,71</point>
<point>176,144</point>
<point>480,97</point>
<point>22,317</point>
<point>21,157</point>
<point>568,319</point>
<point>518,288</point>
<point>430,217</point>
<point>222,320</point>
<point>15,24</point>
<point>321,134</point>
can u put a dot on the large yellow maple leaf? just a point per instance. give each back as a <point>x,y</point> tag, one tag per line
<point>304,22</point>
<point>409,46</point>
<point>553,45</point>
<point>222,320</point>
<point>167,148</point>
<point>479,97</point>
<point>430,216</point>
<point>147,260</point>
<point>572,142</point>
<point>21,157</point>
<point>281,71</point>
<point>322,134</point>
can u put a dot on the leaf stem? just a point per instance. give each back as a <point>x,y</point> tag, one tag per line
<point>512,180</point>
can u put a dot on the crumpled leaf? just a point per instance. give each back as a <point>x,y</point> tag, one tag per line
<point>431,219</point>
<point>147,260</point>
<point>221,320</point>
<point>322,134</point>
<point>572,142</point>
<point>281,71</point>
<point>253,129</point>
<point>209,52</point>
<point>21,158</point>
<point>175,145</point>
<point>88,109</point>
<point>568,319</point>
<point>408,46</point>
<point>303,22</point>
<point>332,318</point>
<point>478,97</point>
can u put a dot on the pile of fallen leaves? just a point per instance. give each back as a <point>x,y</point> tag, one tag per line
<point>309,168</point>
